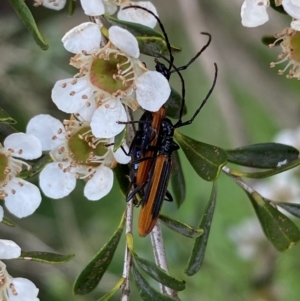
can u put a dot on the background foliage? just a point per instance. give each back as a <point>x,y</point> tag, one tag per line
<point>250,104</point>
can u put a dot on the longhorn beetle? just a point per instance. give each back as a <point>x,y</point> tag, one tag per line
<point>152,155</point>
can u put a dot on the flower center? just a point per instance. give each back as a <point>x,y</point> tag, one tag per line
<point>85,147</point>
<point>3,167</point>
<point>110,73</point>
<point>295,46</point>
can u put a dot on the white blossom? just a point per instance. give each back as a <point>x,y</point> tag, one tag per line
<point>21,197</point>
<point>107,76</point>
<point>52,4</point>
<point>77,154</point>
<point>100,7</point>
<point>16,289</point>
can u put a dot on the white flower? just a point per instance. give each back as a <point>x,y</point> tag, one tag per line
<point>136,15</point>
<point>21,197</point>
<point>16,289</point>
<point>292,7</point>
<point>52,4</point>
<point>77,154</point>
<point>100,7</point>
<point>107,76</point>
<point>9,249</point>
<point>254,12</point>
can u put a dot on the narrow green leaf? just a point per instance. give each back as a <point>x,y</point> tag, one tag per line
<point>278,228</point>
<point>292,208</point>
<point>159,274</point>
<point>173,105</point>
<point>26,16</point>
<point>198,252</point>
<point>7,222</point>
<point>147,292</point>
<point>89,278</point>
<point>263,155</point>
<point>107,296</point>
<point>177,180</point>
<point>6,130</point>
<point>150,41</point>
<point>37,167</point>
<point>180,227</point>
<point>121,172</point>
<point>267,173</point>
<point>207,160</point>
<point>45,257</point>
<point>71,7</point>
<point>119,139</point>
<point>6,118</point>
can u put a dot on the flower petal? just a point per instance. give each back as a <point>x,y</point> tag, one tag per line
<point>9,249</point>
<point>26,289</point>
<point>254,13</point>
<point>49,130</point>
<point>104,121</point>
<point>23,198</point>
<point>295,25</point>
<point>100,184</point>
<point>54,4</point>
<point>110,8</point>
<point>71,95</point>
<point>24,145</point>
<point>292,9</point>
<point>55,182</point>
<point>84,37</point>
<point>120,155</point>
<point>153,90</point>
<point>93,7</point>
<point>138,15</point>
<point>124,40</point>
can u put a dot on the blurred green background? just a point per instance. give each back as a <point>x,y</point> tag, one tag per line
<point>250,104</point>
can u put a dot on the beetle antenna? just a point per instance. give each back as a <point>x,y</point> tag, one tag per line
<point>164,34</point>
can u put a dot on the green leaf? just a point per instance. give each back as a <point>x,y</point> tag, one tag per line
<point>292,208</point>
<point>107,296</point>
<point>147,292</point>
<point>71,7</point>
<point>173,105</point>
<point>267,173</point>
<point>7,222</point>
<point>264,155</point>
<point>6,130</point>
<point>5,118</point>
<point>89,278</point>
<point>198,251</point>
<point>207,160</point>
<point>37,167</point>
<point>121,172</point>
<point>267,40</point>
<point>159,274</point>
<point>177,180</point>
<point>181,227</point>
<point>26,16</point>
<point>150,41</point>
<point>278,228</point>
<point>45,257</point>
<point>278,8</point>
<point>119,139</point>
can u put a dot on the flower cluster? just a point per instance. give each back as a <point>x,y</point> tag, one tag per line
<point>254,13</point>
<point>110,76</point>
